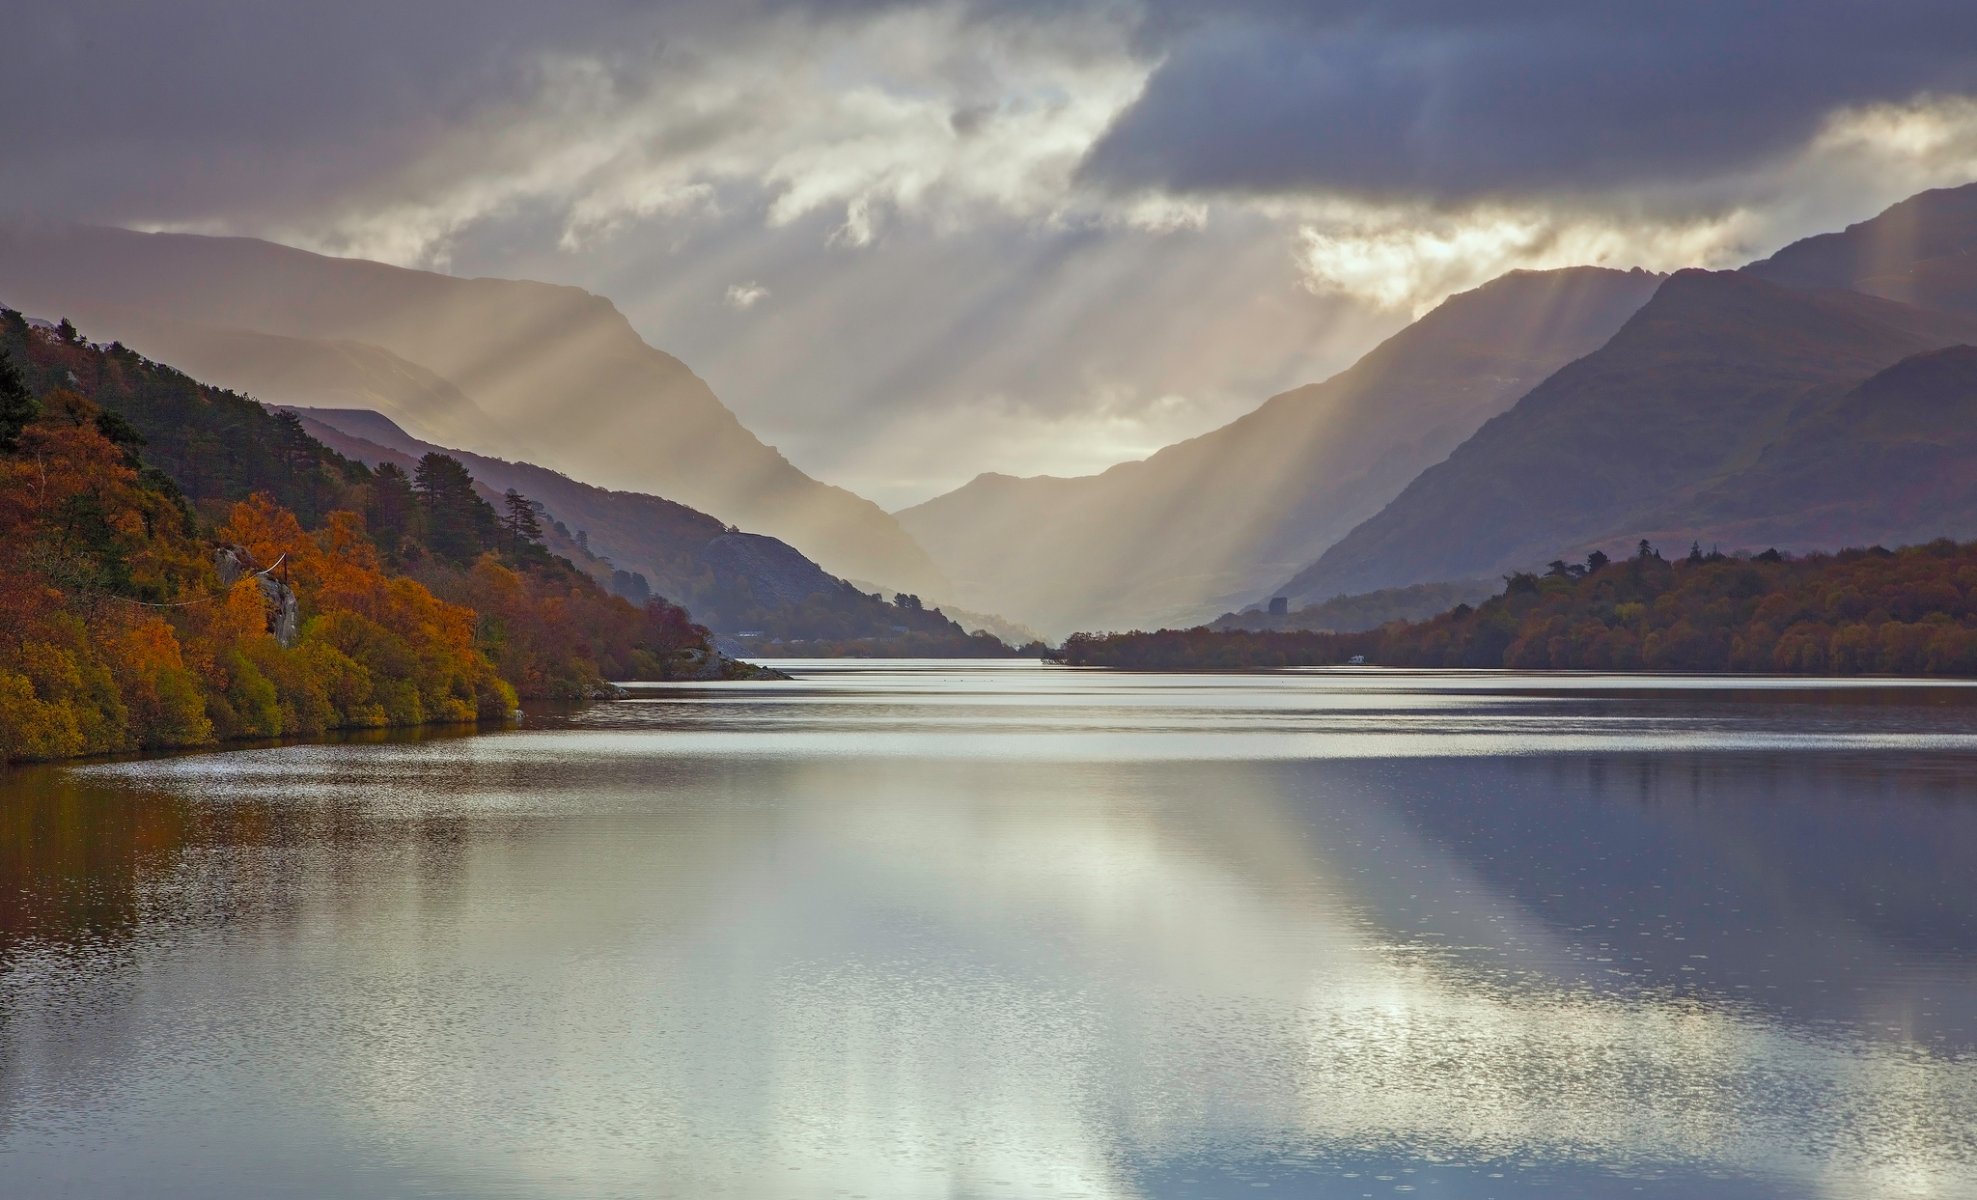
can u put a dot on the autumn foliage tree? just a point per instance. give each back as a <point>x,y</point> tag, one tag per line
<point>119,632</point>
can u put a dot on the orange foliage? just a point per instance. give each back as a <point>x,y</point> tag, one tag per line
<point>115,634</point>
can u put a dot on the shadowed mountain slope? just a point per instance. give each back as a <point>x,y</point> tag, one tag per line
<point>1718,366</point>
<point>1893,462</point>
<point>557,371</point>
<point>1922,251</point>
<point>730,580</point>
<point>1206,523</point>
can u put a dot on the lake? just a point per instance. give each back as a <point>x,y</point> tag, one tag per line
<point>1007,931</point>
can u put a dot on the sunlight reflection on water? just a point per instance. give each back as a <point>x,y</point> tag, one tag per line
<point>1004,931</point>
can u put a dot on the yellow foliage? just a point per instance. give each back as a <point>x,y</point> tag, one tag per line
<point>85,672</point>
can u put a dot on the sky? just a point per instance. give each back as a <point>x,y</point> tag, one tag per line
<point>909,242</point>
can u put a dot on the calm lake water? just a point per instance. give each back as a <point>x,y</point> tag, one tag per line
<point>950,930</point>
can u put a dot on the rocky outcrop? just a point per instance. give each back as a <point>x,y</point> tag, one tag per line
<point>284,611</point>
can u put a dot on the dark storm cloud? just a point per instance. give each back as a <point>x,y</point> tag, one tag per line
<point>1455,101</point>
<point>197,108</point>
<point>181,109</point>
<point>184,109</point>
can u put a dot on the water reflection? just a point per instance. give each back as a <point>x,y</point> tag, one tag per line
<point>1005,932</point>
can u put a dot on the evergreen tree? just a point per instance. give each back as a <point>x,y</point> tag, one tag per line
<point>459,524</point>
<point>17,404</point>
<point>392,509</point>
<point>632,585</point>
<point>521,524</point>
<point>294,448</point>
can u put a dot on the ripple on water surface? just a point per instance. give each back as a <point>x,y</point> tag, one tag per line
<point>994,931</point>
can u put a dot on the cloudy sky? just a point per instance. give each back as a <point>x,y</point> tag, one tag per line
<point>908,242</point>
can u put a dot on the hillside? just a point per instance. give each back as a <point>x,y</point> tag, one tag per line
<point>638,544</point>
<point>1368,610</point>
<point>1893,460</point>
<point>553,370</point>
<point>1919,252</point>
<point>1907,612</point>
<point>1716,367</point>
<point>1212,521</point>
<point>180,566</point>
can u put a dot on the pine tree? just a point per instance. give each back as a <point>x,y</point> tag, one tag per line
<point>523,528</point>
<point>392,505</point>
<point>459,524</point>
<point>17,404</point>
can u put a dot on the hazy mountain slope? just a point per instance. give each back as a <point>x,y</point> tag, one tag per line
<point>282,371</point>
<point>1209,522</point>
<point>1922,251</point>
<point>684,554</point>
<point>1893,461</point>
<point>1369,610</point>
<point>558,368</point>
<point>732,581</point>
<point>1688,392</point>
<point>638,532</point>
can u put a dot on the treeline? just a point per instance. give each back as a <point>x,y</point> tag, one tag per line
<point>179,566</point>
<point>903,628</point>
<point>859,623</point>
<point>1366,610</point>
<point>1874,611</point>
<point>956,644</point>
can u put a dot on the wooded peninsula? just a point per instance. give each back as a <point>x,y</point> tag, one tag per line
<point>1871,611</point>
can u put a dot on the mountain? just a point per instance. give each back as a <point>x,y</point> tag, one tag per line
<point>731,581</point>
<point>1209,522</point>
<point>503,366</point>
<point>638,532</point>
<point>1891,462</point>
<point>1691,391</point>
<point>1370,610</point>
<point>1922,251</point>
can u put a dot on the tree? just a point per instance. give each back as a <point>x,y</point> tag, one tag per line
<point>1595,561</point>
<point>17,404</point>
<point>459,524</point>
<point>392,505</point>
<point>632,585</point>
<point>520,523</point>
<point>294,448</point>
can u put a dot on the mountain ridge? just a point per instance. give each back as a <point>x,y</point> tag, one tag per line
<point>626,414</point>
<point>728,578</point>
<point>1202,525</point>
<point>1585,456</point>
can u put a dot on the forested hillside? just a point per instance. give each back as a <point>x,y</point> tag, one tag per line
<point>179,566</point>
<point>1367,610</point>
<point>1875,611</point>
<point>637,544</point>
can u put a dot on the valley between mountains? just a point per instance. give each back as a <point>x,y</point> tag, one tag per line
<point>1820,398</point>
